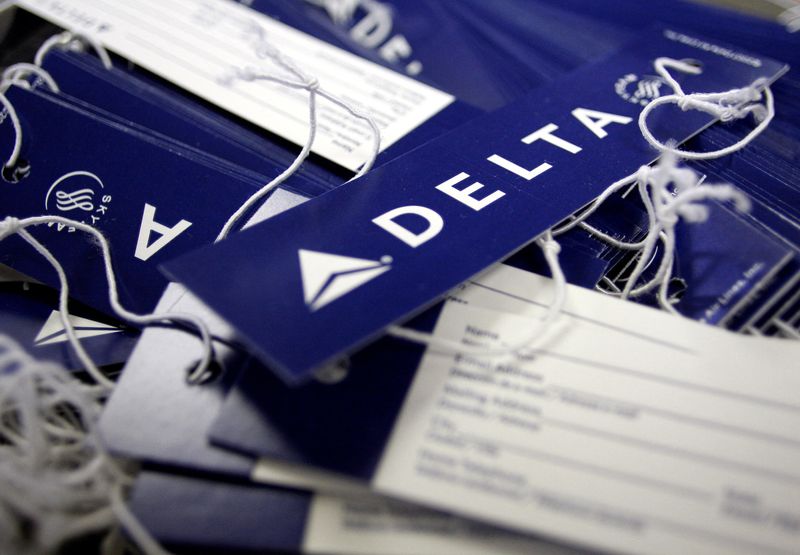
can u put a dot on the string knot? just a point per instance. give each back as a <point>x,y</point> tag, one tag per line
<point>246,73</point>
<point>549,245</point>
<point>692,213</point>
<point>685,102</point>
<point>667,216</point>
<point>9,226</point>
<point>725,106</point>
<point>643,174</point>
<point>312,84</point>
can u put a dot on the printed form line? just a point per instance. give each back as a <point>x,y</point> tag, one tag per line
<point>702,422</point>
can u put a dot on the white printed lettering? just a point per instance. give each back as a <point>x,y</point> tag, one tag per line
<point>144,249</point>
<point>595,121</point>
<point>517,169</point>
<point>435,224</point>
<point>464,196</point>
<point>546,134</point>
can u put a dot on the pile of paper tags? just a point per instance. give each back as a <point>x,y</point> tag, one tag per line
<point>398,366</point>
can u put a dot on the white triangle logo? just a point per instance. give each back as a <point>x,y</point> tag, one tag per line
<point>53,330</point>
<point>326,277</point>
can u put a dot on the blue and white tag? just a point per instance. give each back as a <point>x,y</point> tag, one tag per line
<point>31,316</point>
<point>326,278</point>
<point>151,199</point>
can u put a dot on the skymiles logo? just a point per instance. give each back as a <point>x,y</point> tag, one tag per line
<point>326,277</point>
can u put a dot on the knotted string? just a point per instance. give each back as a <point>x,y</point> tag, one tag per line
<point>11,113</point>
<point>13,225</point>
<point>664,206</point>
<point>725,106</point>
<point>550,249</point>
<point>58,482</point>
<point>298,80</point>
<point>71,40</point>
<point>675,193</point>
<point>17,74</point>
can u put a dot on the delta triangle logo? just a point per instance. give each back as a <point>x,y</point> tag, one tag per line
<point>53,330</point>
<point>326,277</point>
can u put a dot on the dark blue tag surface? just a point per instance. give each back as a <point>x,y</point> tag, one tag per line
<point>150,199</point>
<point>190,515</point>
<point>329,276</point>
<point>164,110</point>
<point>724,261</point>
<point>31,316</point>
<point>156,417</point>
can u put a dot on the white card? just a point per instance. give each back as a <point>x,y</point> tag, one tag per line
<point>195,44</point>
<point>631,430</point>
<point>372,525</point>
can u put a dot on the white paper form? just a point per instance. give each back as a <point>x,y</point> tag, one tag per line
<point>195,44</point>
<point>373,525</point>
<point>631,430</point>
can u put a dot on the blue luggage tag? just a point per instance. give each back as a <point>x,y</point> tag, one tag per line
<point>626,16</point>
<point>165,141</point>
<point>259,416</point>
<point>757,172</point>
<point>725,262</point>
<point>156,417</point>
<point>152,203</point>
<point>31,316</point>
<point>160,419</point>
<point>781,294</point>
<point>190,514</point>
<point>342,267</point>
<point>422,39</point>
<point>132,97</point>
<point>771,219</point>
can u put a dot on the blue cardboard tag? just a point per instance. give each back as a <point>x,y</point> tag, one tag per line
<point>159,108</point>
<point>724,261</point>
<point>31,316</point>
<point>329,276</point>
<point>158,418</point>
<point>152,200</point>
<point>188,514</point>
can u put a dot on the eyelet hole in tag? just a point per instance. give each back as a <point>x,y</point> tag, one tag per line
<point>693,62</point>
<point>16,172</point>
<point>210,374</point>
<point>335,373</point>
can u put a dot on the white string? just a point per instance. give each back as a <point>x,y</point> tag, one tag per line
<point>13,158</point>
<point>300,80</point>
<point>675,193</point>
<point>12,225</point>
<point>786,329</point>
<point>665,206</point>
<point>298,161</point>
<point>54,470</point>
<point>340,11</point>
<point>16,74</point>
<point>71,39</point>
<point>790,16</point>
<point>725,106</point>
<point>550,248</point>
